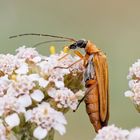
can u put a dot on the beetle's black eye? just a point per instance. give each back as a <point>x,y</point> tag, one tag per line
<point>78,44</point>
<point>81,43</point>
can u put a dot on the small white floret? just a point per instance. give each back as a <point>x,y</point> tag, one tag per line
<point>34,77</point>
<point>25,100</point>
<point>36,59</point>
<point>129,93</point>
<point>43,83</point>
<point>23,69</point>
<point>28,115</point>
<point>37,95</point>
<point>12,120</point>
<point>59,84</point>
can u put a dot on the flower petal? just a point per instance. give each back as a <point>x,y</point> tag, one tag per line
<point>36,59</point>
<point>28,115</point>
<point>37,95</point>
<point>129,93</point>
<point>12,120</point>
<point>34,77</point>
<point>61,118</point>
<point>25,100</point>
<point>60,128</point>
<point>43,83</point>
<point>59,84</point>
<point>23,69</point>
<point>40,133</point>
<point>134,134</point>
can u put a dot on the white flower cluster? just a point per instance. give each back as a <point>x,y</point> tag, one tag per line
<point>134,84</point>
<point>134,70</point>
<point>33,86</point>
<point>114,133</point>
<point>28,54</point>
<point>134,134</point>
<point>64,98</point>
<point>46,118</point>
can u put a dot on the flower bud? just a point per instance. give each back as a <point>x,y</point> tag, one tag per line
<point>52,50</point>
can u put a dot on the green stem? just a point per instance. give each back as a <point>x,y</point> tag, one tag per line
<point>26,136</point>
<point>50,135</point>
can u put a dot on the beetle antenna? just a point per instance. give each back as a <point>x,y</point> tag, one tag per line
<point>49,41</point>
<point>36,34</point>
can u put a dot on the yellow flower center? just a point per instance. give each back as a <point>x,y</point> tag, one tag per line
<point>13,77</point>
<point>66,49</point>
<point>52,50</point>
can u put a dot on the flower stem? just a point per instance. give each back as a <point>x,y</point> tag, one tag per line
<point>26,136</point>
<point>50,135</point>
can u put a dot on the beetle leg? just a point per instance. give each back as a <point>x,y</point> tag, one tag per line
<point>77,53</point>
<point>92,87</point>
<point>69,65</point>
<point>63,57</point>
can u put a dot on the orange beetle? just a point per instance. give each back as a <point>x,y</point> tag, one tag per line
<point>96,81</point>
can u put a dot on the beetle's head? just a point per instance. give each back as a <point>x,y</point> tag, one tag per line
<point>78,44</point>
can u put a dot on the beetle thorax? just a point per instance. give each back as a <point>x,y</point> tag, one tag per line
<point>91,48</point>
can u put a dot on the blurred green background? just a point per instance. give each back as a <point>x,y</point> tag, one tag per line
<point>113,25</point>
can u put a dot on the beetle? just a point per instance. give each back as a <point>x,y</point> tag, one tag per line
<point>96,78</point>
<point>97,83</point>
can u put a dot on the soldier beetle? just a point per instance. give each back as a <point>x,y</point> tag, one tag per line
<point>96,79</point>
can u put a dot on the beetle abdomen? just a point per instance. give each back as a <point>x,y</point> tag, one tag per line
<point>92,106</point>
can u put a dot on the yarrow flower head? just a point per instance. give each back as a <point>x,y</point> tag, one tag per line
<point>134,84</point>
<point>8,63</point>
<point>36,91</point>
<point>22,85</point>
<point>9,104</point>
<point>134,70</point>
<point>134,134</point>
<point>29,54</point>
<point>112,133</point>
<point>46,118</point>
<point>64,98</point>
